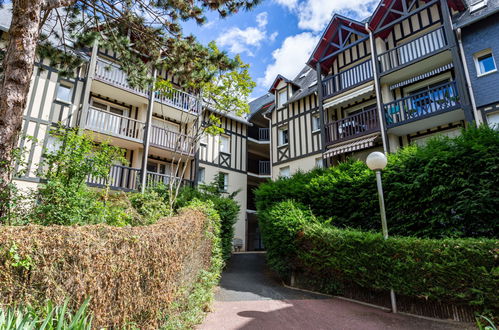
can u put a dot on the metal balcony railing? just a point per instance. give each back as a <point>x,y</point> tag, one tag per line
<point>349,78</point>
<point>112,124</point>
<point>351,127</point>
<point>264,167</point>
<point>171,140</point>
<point>120,178</point>
<point>111,73</point>
<point>412,51</point>
<point>263,134</point>
<point>433,100</point>
<point>165,179</point>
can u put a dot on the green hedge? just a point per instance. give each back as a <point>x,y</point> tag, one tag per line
<point>463,271</point>
<point>448,188</point>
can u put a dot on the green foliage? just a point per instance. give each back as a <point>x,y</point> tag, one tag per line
<point>448,188</point>
<point>223,203</point>
<point>449,270</point>
<point>64,198</point>
<point>150,205</point>
<point>194,301</point>
<point>50,317</point>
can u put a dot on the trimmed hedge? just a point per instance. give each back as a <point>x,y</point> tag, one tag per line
<point>147,276</point>
<point>461,271</point>
<point>448,188</point>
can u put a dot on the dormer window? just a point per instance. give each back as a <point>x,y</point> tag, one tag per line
<point>282,98</point>
<point>477,5</point>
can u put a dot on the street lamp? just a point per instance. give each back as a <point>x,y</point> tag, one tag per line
<point>377,161</point>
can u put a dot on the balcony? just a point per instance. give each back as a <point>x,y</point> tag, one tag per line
<point>412,51</point>
<point>128,179</point>
<point>260,134</point>
<point>110,73</point>
<point>433,100</point>
<point>347,79</point>
<point>351,127</point>
<point>170,140</point>
<point>259,167</point>
<point>115,125</point>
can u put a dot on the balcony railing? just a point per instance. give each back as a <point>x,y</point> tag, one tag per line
<point>349,78</point>
<point>412,51</point>
<point>120,178</point>
<point>170,140</point>
<point>425,103</point>
<point>128,179</point>
<point>109,123</point>
<point>111,73</point>
<point>263,134</point>
<point>264,167</point>
<point>353,126</point>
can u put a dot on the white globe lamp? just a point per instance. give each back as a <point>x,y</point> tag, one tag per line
<point>376,161</point>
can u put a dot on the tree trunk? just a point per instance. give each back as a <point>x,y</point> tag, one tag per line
<point>14,86</point>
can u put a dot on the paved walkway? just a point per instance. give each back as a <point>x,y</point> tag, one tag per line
<point>249,297</point>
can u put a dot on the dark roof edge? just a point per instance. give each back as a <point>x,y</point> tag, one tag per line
<point>475,19</point>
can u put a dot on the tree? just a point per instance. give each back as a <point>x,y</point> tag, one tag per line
<point>141,32</point>
<point>226,92</point>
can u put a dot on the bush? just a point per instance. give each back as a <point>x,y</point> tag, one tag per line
<point>448,188</point>
<point>462,271</point>
<point>224,204</point>
<point>140,275</point>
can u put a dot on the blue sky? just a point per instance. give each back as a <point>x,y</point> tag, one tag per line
<point>277,36</point>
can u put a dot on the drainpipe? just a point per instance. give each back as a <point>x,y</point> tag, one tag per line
<point>321,110</point>
<point>377,87</point>
<point>270,142</point>
<point>147,133</point>
<point>88,86</point>
<point>478,118</point>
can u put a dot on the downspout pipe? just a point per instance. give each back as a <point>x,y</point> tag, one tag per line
<point>147,133</point>
<point>377,87</point>
<point>478,118</point>
<point>270,141</point>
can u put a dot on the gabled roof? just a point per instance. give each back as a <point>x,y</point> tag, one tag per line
<point>467,17</point>
<point>306,81</point>
<point>276,82</point>
<point>382,9</point>
<point>263,103</point>
<point>331,35</point>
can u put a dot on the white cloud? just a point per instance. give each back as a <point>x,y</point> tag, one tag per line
<point>247,40</point>
<point>315,14</point>
<point>290,58</point>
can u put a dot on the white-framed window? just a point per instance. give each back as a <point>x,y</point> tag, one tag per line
<point>225,177</point>
<point>484,62</point>
<point>282,97</point>
<point>284,172</point>
<point>64,93</point>
<point>316,123</point>
<point>204,139</point>
<point>53,144</point>
<point>319,163</point>
<point>283,136</point>
<point>493,120</point>
<point>201,175</point>
<point>224,144</point>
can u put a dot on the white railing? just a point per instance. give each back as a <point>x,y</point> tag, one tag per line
<point>112,124</point>
<point>180,100</point>
<point>171,140</point>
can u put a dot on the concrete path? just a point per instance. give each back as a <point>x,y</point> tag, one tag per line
<point>250,297</point>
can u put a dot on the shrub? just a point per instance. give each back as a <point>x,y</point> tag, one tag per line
<point>223,203</point>
<point>449,188</point>
<point>133,274</point>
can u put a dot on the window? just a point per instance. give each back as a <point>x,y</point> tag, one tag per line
<point>225,177</point>
<point>283,136</point>
<point>204,139</point>
<point>284,172</point>
<point>224,144</point>
<point>64,93</point>
<point>477,5</point>
<point>53,144</point>
<point>201,173</point>
<point>319,163</point>
<point>493,120</point>
<point>316,123</point>
<point>484,62</point>
<point>282,98</point>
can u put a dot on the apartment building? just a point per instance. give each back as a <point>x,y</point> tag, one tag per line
<point>412,70</point>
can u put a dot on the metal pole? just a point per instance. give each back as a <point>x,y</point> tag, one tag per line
<point>147,133</point>
<point>384,226</point>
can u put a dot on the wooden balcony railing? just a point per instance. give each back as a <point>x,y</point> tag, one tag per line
<point>128,179</point>
<point>165,179</point>
<point>412,51</point>
<point>263,134</point>
<point>109,123</point>
<point>349,78</point>
<point>174,141</point>
<point>111,73</point>
<point>353,126</point>
<point>120,178</point>
<point>433,100</point>
<point>264,167</point>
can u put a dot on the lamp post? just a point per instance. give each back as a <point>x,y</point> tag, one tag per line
<point>377,161</point>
